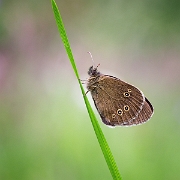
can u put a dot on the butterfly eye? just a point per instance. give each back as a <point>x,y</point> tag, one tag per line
<point>119,112</point>
<point>126,108</point>
<point>126,94</point>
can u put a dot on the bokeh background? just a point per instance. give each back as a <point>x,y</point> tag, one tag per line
<point>45,131</point>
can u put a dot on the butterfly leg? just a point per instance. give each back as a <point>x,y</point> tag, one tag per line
<point>83,81</point>
<point>86,93</point>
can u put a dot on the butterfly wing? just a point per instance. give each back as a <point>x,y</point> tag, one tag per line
<point>117,102</point>
<point>144,115</point>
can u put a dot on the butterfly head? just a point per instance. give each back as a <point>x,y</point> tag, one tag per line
<point>93,71</point>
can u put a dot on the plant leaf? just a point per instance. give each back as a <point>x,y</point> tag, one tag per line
<point>99,134</point>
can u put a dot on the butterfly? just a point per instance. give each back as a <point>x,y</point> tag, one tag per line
<point>118,103</point>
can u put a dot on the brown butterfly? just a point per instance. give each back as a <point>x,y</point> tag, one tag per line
<point>118,103</point>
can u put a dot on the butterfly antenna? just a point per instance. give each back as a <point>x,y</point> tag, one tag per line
<point>92,58</point>
<point>97,66</point>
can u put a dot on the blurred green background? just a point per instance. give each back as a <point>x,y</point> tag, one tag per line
<point>45,131</point>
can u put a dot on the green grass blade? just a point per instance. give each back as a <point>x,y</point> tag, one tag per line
<point>99,134</point>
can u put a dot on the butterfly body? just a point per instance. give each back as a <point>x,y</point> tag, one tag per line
<point>118,103</point>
